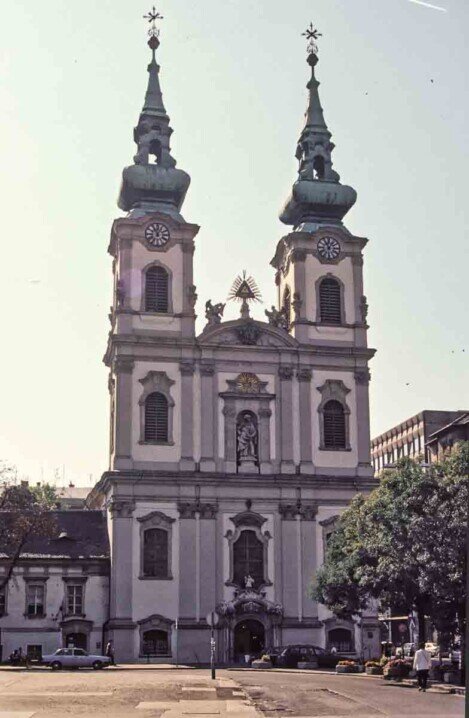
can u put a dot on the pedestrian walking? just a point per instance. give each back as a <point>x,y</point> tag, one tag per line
<point>110,652</point>
<point>422,664</point>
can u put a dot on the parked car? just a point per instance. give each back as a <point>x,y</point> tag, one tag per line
<point>273,653</point>
<point>75,658</point>
<point>290,656</point>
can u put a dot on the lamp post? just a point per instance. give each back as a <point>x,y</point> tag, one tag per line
<point>212,620</point>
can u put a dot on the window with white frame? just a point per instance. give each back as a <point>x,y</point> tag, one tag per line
<point>75,598</point>
<point>35,597</point>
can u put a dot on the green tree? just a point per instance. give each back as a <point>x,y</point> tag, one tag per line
<point>403,545</point>
<point>24,511</point>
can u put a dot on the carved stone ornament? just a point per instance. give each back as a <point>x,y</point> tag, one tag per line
<point>186,367</point>
<point>122,508</point>
<point>248,333</point>
<point>192,295</point>
<point>362,376</point>
<point>277,317</point>
<point>249,601</point>
<point>306,511</point>
<point>298,255</point>
<point>248,518</point>
<point>120,292</point>
<point>285,372</point>
<point>207,369</point>
<point>156,518</point>
<point>297,303</point>
<point>123,365</point>
<point>190,509</point>
<point>213,312</point>
<point>304,373</point>
<point>364,308</point>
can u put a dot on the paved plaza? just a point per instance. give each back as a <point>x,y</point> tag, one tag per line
<point>147,692</point>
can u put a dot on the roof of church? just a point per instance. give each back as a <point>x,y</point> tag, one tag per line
<point>79,534</point>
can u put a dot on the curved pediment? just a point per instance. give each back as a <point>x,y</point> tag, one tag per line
<point>246,332</point>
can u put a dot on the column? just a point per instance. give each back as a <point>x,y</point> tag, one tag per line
<point>123,368</point>
<point>207,389</point>
<point>298,258</point>
<point>186,368</point>
<point>287,465</point>
<point>304,375</point>
<point>362,407</point>
<point>360,306</point>
<point>189,296</point>
<point>121,626</point>
<point>229,416</point>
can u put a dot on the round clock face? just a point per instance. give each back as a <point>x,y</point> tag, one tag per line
<point>157,234</point>
<point>328,248</point>
<point>248,383</point>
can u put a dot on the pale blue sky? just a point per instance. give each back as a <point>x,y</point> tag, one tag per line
<point>394,89</point>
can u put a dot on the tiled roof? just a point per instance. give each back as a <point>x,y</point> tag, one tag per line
<point>79,534</point>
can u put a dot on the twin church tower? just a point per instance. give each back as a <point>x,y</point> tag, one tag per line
<point>232,452</point>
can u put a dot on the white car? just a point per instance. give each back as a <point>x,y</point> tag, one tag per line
<point>75,658</point>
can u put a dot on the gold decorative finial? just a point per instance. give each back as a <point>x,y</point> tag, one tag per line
<point>152,16</point>
<point>312,34</point>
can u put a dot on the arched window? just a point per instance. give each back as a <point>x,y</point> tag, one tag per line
<point>156,290</point>
<point>287,305</point>
<point>155,553</point>
<point>318,167</point>
<point>155,643</point>
<point>334,425</point>
<point>248,559</point>
<point>340,639</point>
<point>156,417</point>
<point>330,301</point>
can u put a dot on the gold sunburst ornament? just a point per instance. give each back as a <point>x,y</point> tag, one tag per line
<point>244,289</point>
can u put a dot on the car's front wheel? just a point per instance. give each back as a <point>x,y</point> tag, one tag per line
<point>97,665</point>
<point>56,665</point>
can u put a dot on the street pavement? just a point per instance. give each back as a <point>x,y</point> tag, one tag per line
<point>151,692</point>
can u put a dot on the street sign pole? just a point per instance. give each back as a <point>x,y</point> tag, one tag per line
<point>212,620</point>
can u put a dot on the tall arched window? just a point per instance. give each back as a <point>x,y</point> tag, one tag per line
<point>287,305</point>
<point>156,290</point>
<point>334,425</point>
<point>330,301</point>
<point>156,417</point>
<point>155,553</point>
<point>248,559</point>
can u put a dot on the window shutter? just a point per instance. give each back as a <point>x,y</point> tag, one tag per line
<point>334,425</point>
<point>156,290</point>
<point>156,417</point>
<point>329,301</point>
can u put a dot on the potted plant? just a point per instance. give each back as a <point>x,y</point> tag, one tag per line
<point>373,668</point>
<point>347,666</point>
<point>397,668</point>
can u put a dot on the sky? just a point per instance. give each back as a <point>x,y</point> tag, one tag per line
<point>394,89</point>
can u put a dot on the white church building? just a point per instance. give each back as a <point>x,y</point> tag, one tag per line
<point>233,451</point>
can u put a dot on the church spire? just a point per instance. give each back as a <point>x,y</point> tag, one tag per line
<point>317,196</point>
<point>156,185</point>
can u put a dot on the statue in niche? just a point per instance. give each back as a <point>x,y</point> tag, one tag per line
<point>277,318</point>
<point>248,582</point>
<point>214,312</point>
<point>247,437</point>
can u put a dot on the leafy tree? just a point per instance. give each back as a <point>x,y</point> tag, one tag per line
<point>24,511</point>
<point>404,545</point>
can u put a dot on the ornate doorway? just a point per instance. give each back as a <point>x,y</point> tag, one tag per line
<point>76,640</point>
<point>249,639</point>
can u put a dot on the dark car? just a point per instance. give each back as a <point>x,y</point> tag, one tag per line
<point>290,656</point>
<point>273,653</point>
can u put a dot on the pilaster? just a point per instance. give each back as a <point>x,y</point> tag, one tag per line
<point>304,375</point>
<point>362,379</point>
<point>123,368</point>
<point>207,390</point>
<point>121,625</point>
<point>186,368</point>
<point>287,465</point>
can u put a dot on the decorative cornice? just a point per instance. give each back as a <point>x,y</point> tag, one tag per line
<point>285,372</point>
<point>248,518</point>
<point>156,517</point>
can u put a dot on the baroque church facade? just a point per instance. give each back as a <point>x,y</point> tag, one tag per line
<point>232,452</point>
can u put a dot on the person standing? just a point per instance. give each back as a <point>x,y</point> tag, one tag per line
<point>110,653</point>
<point>422,664</point>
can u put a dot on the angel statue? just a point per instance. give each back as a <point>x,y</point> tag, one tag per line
<point>277,318</point>
<point>214,312</point>
<point>248,582</point>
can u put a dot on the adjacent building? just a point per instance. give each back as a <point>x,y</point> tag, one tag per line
<point>416,437</point>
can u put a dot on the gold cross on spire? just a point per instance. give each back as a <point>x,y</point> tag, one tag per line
<point>152,16</point>
<point>312,34</point>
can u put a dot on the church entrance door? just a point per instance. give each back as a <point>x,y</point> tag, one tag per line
<point>76,640</point>
<point>249,639</point>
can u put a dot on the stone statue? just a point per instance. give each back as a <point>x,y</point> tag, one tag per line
<point>277,318</point>
<point>296,305</point>
<point>120,292</point>
<point>247,438</point>
<point>248,582</point>
<point>214,312</point>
